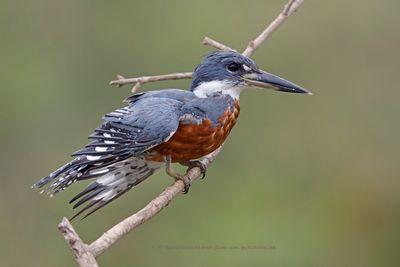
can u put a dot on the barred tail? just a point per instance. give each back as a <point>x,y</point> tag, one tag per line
<point>112,180</point>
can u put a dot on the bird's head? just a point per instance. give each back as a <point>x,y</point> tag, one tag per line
<point>229,72</point>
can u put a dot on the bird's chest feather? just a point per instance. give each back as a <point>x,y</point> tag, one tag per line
<point>193,141</point>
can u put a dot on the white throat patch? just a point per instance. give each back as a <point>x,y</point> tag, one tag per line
<point>206,89</point>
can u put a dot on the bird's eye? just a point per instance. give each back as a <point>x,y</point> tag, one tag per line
<point>233,67</point>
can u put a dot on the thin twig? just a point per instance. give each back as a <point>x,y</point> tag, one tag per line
<point>85,255</point>
<point>216,44</point>
<point>288,10</point>
<point>81,251</point>
<point>121,81</point>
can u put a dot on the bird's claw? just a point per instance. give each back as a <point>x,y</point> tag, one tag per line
<point>186,183</point>
<point>185,180</point>
<point>200,165</point>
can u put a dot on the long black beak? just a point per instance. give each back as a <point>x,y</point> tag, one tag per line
<point>264,79</point>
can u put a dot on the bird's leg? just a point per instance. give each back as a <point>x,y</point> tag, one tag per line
<point>170,171</point>
<point>196,163</point>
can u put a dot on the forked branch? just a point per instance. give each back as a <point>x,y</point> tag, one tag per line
<point>83,255</point>
<point>288,10</point>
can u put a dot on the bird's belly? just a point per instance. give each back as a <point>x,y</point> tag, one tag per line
<point>193,141</point>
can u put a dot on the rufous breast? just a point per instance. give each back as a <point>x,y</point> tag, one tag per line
<point>193,141</point>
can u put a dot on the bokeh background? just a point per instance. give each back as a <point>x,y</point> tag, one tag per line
<point>313,181</point>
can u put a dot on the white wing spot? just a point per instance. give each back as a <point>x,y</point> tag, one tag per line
<point>100,148</point>
<point>93,157</point>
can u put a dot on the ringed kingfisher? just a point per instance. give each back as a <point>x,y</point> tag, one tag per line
<point>161,127</point>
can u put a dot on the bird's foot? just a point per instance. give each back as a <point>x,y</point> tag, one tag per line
<point>196,163</point>
<point>177,176</point>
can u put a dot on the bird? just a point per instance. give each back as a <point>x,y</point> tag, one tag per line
<point>161,127</point>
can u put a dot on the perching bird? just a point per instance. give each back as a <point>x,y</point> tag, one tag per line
<point>161,127</point>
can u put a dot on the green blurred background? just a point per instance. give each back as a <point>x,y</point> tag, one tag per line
<point>314,178</point>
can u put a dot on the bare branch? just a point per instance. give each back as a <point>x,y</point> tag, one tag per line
<point>218,45</point>
<point>150,210</point>
<point>81,251</point>
<point>288,10</point>
<point>121,81</point>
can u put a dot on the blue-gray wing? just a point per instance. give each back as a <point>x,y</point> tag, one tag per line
<point>124,133</point>
<point>135,128</point>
